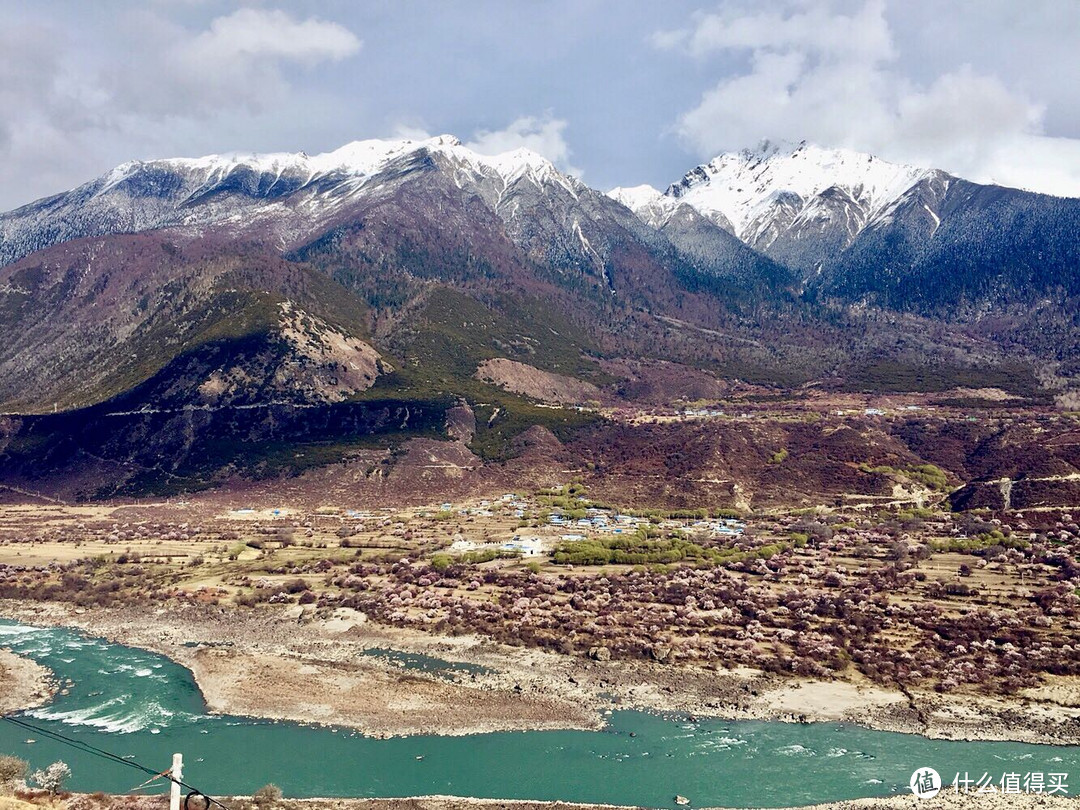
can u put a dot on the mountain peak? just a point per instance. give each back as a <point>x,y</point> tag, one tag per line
<point>289,192</point>
<point>360,159</point>
<point>767,147</point>
<point>745,185</point>
<point>649,204</point>
<point>635,197</point>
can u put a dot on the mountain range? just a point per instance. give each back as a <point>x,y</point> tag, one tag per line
<point>865,230</point>
<point>412,276</point>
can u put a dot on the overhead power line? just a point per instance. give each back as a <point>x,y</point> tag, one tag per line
<point>93,750</point>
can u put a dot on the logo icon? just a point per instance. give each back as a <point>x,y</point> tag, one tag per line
<point>925,783</point>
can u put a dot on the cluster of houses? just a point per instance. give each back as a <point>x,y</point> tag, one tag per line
<point>599,520</point>
<point>539,542</point>
<point>702,413</point>
<point>485,508</point>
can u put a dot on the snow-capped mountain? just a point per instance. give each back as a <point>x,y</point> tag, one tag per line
<point>150,252</point>
<point>291,194</point>
<point>798,207</point>
<point>358,160</point>
<point>117,276</point>
<point>656,208</point>
<point>756,187</point>
<point>852,225</point>
<point>797,204</point>
<point>374,281</point>
<point>423,204</point>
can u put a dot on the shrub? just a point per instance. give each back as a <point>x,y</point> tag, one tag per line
<point>52,778</point>
<point>929,475</point>
<point>267,796</point>
<point>481,556</point>
<point>12,769</point>
<point>297,585</point>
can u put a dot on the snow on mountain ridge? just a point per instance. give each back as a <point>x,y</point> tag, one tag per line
<point>288,194</point>
<point>747,186</point>
<point>635,197</point>
<point>649,204</point>
<point>656,208</point>
<point>359,159</point>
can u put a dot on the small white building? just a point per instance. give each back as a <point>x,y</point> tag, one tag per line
<point>526,546</point>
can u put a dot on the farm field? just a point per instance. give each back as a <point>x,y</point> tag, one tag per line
<point>900,598</point>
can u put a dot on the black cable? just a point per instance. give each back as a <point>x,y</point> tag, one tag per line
<point>91,749</point>
<point>87,748</point>
<point>82,746</point>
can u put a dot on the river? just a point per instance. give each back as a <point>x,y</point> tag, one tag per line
<point>141,705</point>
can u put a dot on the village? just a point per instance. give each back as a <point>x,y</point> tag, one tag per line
<point>896,596</point>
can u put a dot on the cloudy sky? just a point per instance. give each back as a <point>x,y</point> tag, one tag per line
<point>619,91</point>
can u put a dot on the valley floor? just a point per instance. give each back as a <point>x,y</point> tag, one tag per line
<point>285,663</point>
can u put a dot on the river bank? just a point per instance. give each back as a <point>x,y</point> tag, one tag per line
<point>289,664</point>
<point>945,801</point>
<point>23,683</point>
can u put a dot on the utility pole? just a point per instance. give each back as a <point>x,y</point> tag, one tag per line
<point>176,774</point>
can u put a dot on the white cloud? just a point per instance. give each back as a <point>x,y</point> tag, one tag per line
<point>253,34</point>
<point>1050,165</point>
<point>829,76</point>
<point>67,113</point>
<point>543,135</point>
<point>411,132</point>
<point>238,60</point>
<point>46,113</point>
<point>863,34</point>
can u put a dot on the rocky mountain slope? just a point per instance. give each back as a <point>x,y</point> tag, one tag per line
<point>314,305</point>
<point>107,283</point>
<point>703,239</point>
<point>289,201</point>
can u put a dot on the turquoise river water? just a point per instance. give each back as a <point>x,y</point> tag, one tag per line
<point>138,704</point>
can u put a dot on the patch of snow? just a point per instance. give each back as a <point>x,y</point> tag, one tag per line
<point>937,219</point>
<point>598,262</point>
